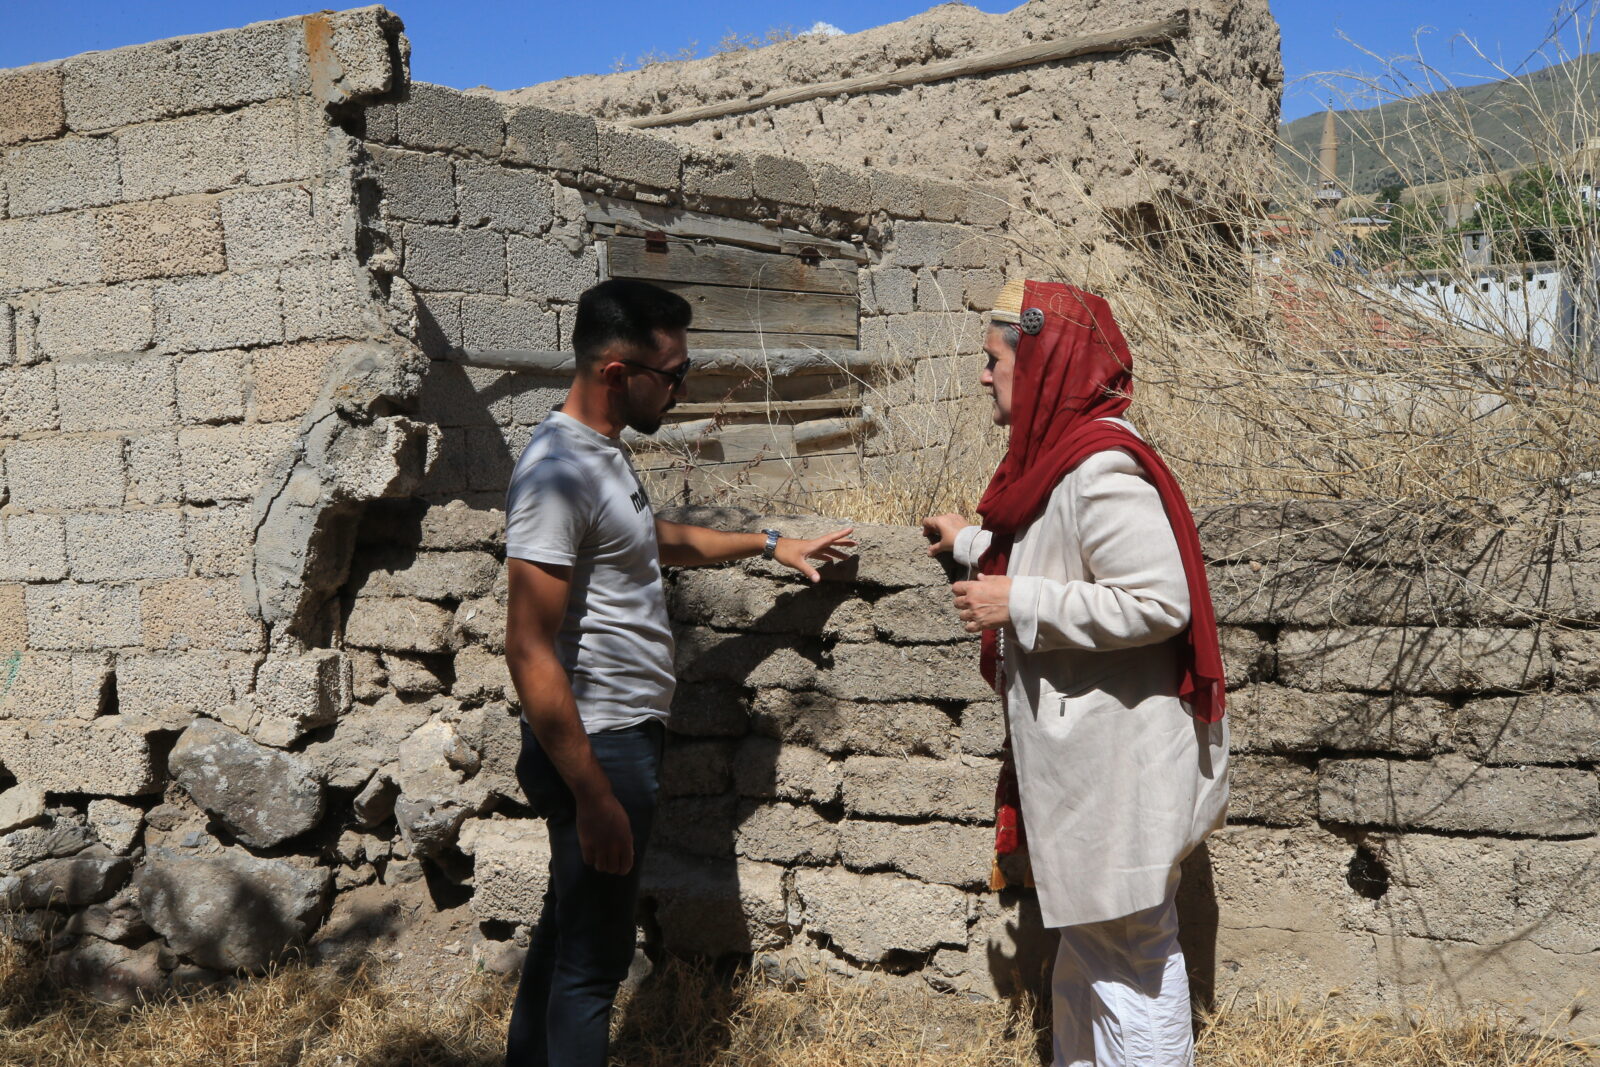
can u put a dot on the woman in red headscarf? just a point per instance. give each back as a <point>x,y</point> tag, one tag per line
<point>1098,633</point>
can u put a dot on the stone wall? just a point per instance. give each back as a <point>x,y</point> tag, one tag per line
<point>252,589</point>
<point>1111,132</point>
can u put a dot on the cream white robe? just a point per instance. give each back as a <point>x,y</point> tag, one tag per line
<point>1118,781</point>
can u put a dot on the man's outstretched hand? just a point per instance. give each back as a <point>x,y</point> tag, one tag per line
<point>942,530</point>
<point>793,552</point>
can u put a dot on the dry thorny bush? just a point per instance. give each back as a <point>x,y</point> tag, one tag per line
<point>684,1016</point>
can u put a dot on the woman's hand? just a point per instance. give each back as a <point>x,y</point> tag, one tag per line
<point>984,604</point>
<point>942,530</point>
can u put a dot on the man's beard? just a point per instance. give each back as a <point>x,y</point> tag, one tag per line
<point>642,420</point>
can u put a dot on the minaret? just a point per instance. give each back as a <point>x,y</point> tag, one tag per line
<point>1328,194</point>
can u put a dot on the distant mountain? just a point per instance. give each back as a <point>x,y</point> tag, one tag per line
<point>1515,121</point>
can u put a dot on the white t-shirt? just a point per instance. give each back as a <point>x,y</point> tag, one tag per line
<point>575,501</point>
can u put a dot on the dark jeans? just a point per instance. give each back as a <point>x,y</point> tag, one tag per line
<point>583,945</point>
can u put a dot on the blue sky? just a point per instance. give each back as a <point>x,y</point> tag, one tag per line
<point>507,44</point>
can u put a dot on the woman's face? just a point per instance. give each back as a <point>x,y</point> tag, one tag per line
<point>998,370</point>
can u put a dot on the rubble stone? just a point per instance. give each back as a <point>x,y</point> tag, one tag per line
<point>265,797</point>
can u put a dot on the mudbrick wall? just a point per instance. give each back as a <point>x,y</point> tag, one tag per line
<point>1088,142</point>
<point>252,592</point>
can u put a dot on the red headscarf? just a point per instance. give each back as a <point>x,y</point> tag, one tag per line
<point>1075,371</point>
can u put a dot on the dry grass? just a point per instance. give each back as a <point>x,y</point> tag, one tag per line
<point>687,1016</point>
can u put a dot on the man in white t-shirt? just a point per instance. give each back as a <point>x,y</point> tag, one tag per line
<point>590,650</point>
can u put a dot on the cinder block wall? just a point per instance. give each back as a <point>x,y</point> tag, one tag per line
<point>252,594</point>
<point>479,232</point>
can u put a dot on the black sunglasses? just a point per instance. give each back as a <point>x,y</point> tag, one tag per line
<point>676,377</point>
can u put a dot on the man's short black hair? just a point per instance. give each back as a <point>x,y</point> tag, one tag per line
<point>627,310</point>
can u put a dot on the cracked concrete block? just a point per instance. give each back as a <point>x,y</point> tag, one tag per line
<point>943,201</point>
<point>983,728</point>
<point>1272,718</point>
<point>232,462</point>
<point>725,175</point>
<point>425,575</point>
<point>96,321</point>
<point>210,386</point>
<point>329,298</point>
<point>433,116</point>
<point>510,870</point>
<point>279,141</point>
<point>893,291</point>
<point>35,253</point>
<point>787,834</point>
<point>126,546</point>
<point>705,826</point>
<point>114,88</point>
<point>564,140</point>
<point>1422,659</point>
<point>31,107</point>
<point>106,393</point>
<point>458,525</point>
<point>168,687</point>
<point>399,625</point>
<point>161,239</point>
<point>959,789</point>
<point>8,333</point>
<point>219,539</point>
<point>452,260</point>
<point>263,227</point>
<point>503,198</point>
<point>287,379</point>
<point>13,619</point>
<point>899,195</point>
<point>154,469</point>
<point>872,916</point>
<point>939,290</point>
<point>783,179</point>
<point>187,613</point>
<point>115,824</point>
<point>104,757</point>
<point>849,727</point>
<point>1453,794</point>
<point>27,400</point>
<point>416,186</point>
<point>264,796</point>
<point>841,188</point>
<point>220,311</point>
<point>71,615</point>
<point>871,671</point>
<point>694,767</point>
<point>51,685</point>
<point>1533,728</point>
<point>21,806</point>
<point>481,676</point>
<point>1272,790</point>
<point>768,768</point>
<point>640,158</point>
<point>944,853</point>
<point>716,911</point>
<point>545,270</point>
<point>75,172</point>
<point>488,323</point>
<point>299,693</point>
<point>65,473</point>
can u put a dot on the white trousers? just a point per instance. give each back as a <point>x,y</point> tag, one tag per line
<point>1120,992</point>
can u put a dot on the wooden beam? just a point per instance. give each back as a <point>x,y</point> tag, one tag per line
<point>819,434</point>
<point>685,261</point>
<point>774,408</point>
<point>725,308</point>
<point>676,222</point>
<point>773,362</point>
<point>703,341</point>
<point>1146,35</point>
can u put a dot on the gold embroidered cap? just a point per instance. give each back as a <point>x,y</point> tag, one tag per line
<point>1008,305</point>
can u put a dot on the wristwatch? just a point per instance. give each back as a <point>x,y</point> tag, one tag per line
<point>772,544</point>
